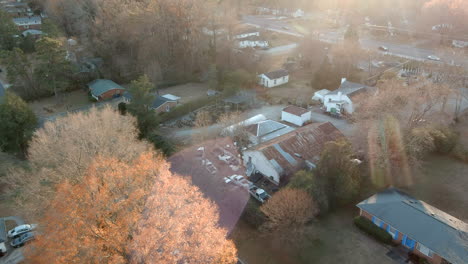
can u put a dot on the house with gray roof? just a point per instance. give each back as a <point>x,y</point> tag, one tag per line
<point>102,89</point>
<point>341,99</point>
<point>160,103</point>
<point>29,22</point>
<point>274,78</point>
<point>421,228</point>
<point>279,158</point>
<point>266,130</point>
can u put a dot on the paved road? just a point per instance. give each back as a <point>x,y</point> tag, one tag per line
<point>400,50</point>
<point>13,256</point>
<point>280,49</point>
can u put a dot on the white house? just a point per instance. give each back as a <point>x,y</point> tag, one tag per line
<point>290,152</point>
<point>247,34</point>
<point>253,42</point>
<point>298,13</point>
<point>274,78</point>
<point>319,95</point>
<point>296,115</point>
<point>341,100</point>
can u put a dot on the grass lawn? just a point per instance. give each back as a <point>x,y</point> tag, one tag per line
<point>442,182</point>
<point>66,102</point>
<point>188,92</point>
<point>296,91</point>
<point>332,239</point>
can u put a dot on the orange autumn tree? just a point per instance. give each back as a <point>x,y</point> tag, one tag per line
<point>178,227</point>
<point>94,221</point>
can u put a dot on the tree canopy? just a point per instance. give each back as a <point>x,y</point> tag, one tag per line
<point>17,123</point>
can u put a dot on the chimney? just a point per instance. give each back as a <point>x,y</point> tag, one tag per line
<point>343,80</point>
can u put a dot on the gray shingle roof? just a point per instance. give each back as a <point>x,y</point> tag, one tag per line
<point>100,86</point>
<point>350,88</point>
<point>34,20</point>
<point>276,74</point>
<point>159,101</point>
<point>442,233</point>
<point>265,127</point>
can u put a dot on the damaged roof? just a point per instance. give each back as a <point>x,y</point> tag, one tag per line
<point>295,110</point>
<point>288,153</point>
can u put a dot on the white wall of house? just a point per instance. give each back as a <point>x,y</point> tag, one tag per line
<point>339,101</point>
<point>246,35</point>
<point>294,119</point>
<point>253,44</point>
<point>261,164</point>
<point>267,82</point>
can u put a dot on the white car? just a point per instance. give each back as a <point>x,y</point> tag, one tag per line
<point>433,57</point>
<point>21,229</point>
<point>3,249</point>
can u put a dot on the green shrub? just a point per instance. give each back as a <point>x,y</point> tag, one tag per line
<point>370,228</point>
<point>252,214</point>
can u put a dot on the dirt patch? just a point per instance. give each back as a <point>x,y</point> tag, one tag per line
<point>187,92</point>
<point>66,102</point>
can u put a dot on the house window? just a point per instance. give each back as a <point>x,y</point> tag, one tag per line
<point>391,231</point>
<point>274,82</point>
<point>168,108</point>
<point>421,248</point>
<point>377,221</point>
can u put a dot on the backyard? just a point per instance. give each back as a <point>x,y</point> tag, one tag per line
<point>331,239</point>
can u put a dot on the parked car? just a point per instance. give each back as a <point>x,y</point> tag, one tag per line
<point>383,48</point>
<point>259,194</point>
<point>21,229</point>
<point>433,57</point>
<point>22,239</point>
<point>3,249</point>
<point>285,27</point>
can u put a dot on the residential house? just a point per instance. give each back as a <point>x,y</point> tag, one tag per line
<point>281,157</point>
<point>208,165</point>
<point>266,130</point>
<point>17,9</point>
<point>274,78</point>
<point>253,42</point>
<point>421,228</point>
<point>30,22</point>
<point>296,115</point>
<point>341,99</point>
<point>171,97</point>
<point>32,32</point>
<point>246,34</point>
<point>162,104</point>
<point>320,95</point>
<point>102,89</point>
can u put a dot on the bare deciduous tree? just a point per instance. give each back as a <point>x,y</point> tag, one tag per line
<point>289,209</point>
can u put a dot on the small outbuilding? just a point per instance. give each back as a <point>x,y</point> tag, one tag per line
<point>274,78</point>
<point>296,115</point>
<point>102,89</point>
<point>320,95</point>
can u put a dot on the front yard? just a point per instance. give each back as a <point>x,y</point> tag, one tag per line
<point>332,239</point>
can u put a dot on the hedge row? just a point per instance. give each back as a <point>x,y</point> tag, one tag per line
<point>370,228</point>
<point>186,108</point>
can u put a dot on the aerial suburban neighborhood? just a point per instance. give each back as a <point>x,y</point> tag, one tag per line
<point>234,132</point>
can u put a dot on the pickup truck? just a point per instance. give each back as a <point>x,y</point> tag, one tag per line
<point>259,194</point>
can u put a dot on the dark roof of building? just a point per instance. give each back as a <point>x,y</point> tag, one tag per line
<point>288,152</point>
<point>295,110</point>
<point>2,90</point>
<point>442,233</point>
<point>27,20</point>
<point>276,74</point>
<point>159,101</point>
<point>100,86</point>
<point>350,88</point>
<point>208,164</point>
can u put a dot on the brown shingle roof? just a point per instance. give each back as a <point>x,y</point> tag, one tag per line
<point>290,151</point>
<point>295,110</point>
